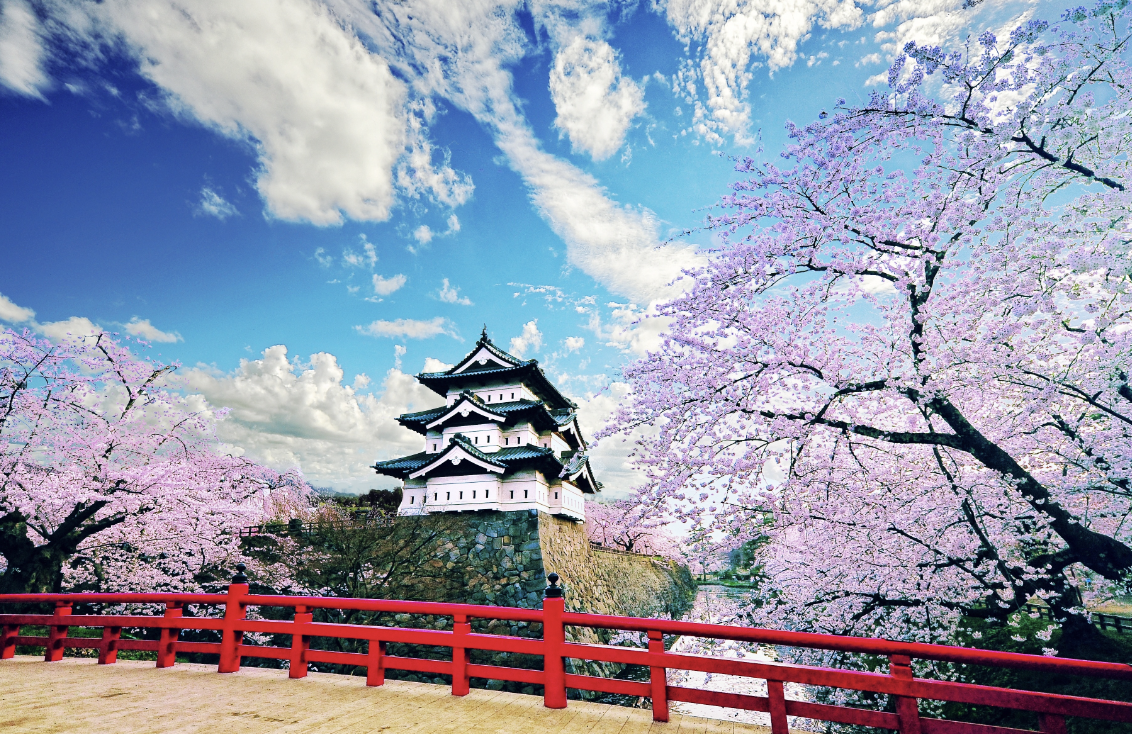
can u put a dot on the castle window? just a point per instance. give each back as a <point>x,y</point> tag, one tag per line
<point>524,494</point>
<point>488,439</point>
<point>489,397</point>
<point>473,494</point>
<point>434,496</point>
<point>487,494</point>
<point>512,396</point>
<point>461,495</point>
<point>411,498</point>
<point>476,439</point>
<point>500,396</point>
<point>449,495</point>
<point>555,495</point>
<point>512,494</point>
<point>506,442</point>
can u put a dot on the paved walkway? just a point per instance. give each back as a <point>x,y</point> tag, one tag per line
<point>131,697</point>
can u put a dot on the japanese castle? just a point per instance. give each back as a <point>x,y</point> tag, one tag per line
<point>506,439</point>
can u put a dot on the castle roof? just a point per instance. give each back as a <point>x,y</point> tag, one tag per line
<point>470,408</point>
<point>487,362</point>
<point>470,460</point>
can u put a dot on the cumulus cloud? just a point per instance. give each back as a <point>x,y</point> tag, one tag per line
<point>448,294</point>
<point>12,313</point>
<point>142,328</point>
<point>530,339</point>
<point>387,286</point>
<point>574,343</point>
<point>22,54</point>
<point>431,364</point>
<point>409,328</point>
<point>74,326</point>
<point>214,205</point>
<point>286,412</point>
<point>595,104</point>
<point>325,115</point>
<point>612,457</point>
<point>423,234</point>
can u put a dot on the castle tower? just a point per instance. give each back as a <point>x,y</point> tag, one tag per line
<point>506,440</point>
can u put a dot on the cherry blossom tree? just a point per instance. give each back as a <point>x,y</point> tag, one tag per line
<point>913,342</point>
<point>109,480</point>
<point>638,524</point>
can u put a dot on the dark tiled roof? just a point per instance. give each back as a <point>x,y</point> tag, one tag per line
<point>520,453</point>
<point>418,421</point>
<point>404,465</point>
<point>424,416</point>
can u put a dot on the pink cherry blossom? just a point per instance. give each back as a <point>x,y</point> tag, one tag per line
<point>911,348</point>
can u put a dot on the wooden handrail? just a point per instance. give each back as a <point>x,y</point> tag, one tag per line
<point>898,681</point>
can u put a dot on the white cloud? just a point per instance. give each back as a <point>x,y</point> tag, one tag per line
<point>409,328</point>
<point>612,457</point>
<point>448,294</point>
<point>423,234</point>
<point>286,413</point>
<point>367,258</point>
<point>149,332</point>
<point>574,343</point>
<point>616,245</point>
<point>12,313</point>
<point>325,115</point>
<point>214,205</point>
<point>730,33</point>
<point>431,364</point>
<point>387,286</point>
<point>416,174</point>
<point>530,339</point>
<point>74,326</point>
<point>323,259</point>
<point>453,224</point>
<point>595,104</point>
<point>873,58</point>
<point>22,53</point>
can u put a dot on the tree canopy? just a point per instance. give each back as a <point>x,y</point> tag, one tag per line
<point>912,345</point>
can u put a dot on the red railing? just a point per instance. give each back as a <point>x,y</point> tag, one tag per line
<point>899,682</point>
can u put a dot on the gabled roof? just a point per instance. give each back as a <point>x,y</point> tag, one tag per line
<point>508,413</point>
<point>403,466</point>
<point>460,450</point>
<point>488,362</point>
<point>464,407</point>
<point>579,471</point>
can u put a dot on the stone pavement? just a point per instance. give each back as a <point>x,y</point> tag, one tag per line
<point>77,695</point>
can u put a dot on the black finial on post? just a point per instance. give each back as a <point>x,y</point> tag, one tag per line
<point>240,578</point>
<point>483,334</point>
<point>553,591</point>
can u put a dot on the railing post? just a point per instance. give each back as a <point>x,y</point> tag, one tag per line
<point>375,663</point>
<point>8,635</point>
<point>1052,724</point>
<point>776,697</point>
<point>235,610</point>
<point>460,628</point>
<point>55,638</point>
<point>553,640</point>
<point>108,648</point>
<point>167,645</point>
<point>907,709</point>
<point>300,643</point>
<point>658,677</point>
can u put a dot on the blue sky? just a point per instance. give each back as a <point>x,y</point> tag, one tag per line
<point>250,184</point>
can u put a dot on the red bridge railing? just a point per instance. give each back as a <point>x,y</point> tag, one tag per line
<point>899,682</point>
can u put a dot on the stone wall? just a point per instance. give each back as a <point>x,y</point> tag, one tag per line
<point>503,558</point>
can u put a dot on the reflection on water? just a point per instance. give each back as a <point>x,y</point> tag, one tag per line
<point>718,604</point>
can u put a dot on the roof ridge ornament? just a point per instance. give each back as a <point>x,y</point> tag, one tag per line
<point>483,335</point>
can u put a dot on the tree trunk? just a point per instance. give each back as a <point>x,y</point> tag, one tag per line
<point>31,569</point>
